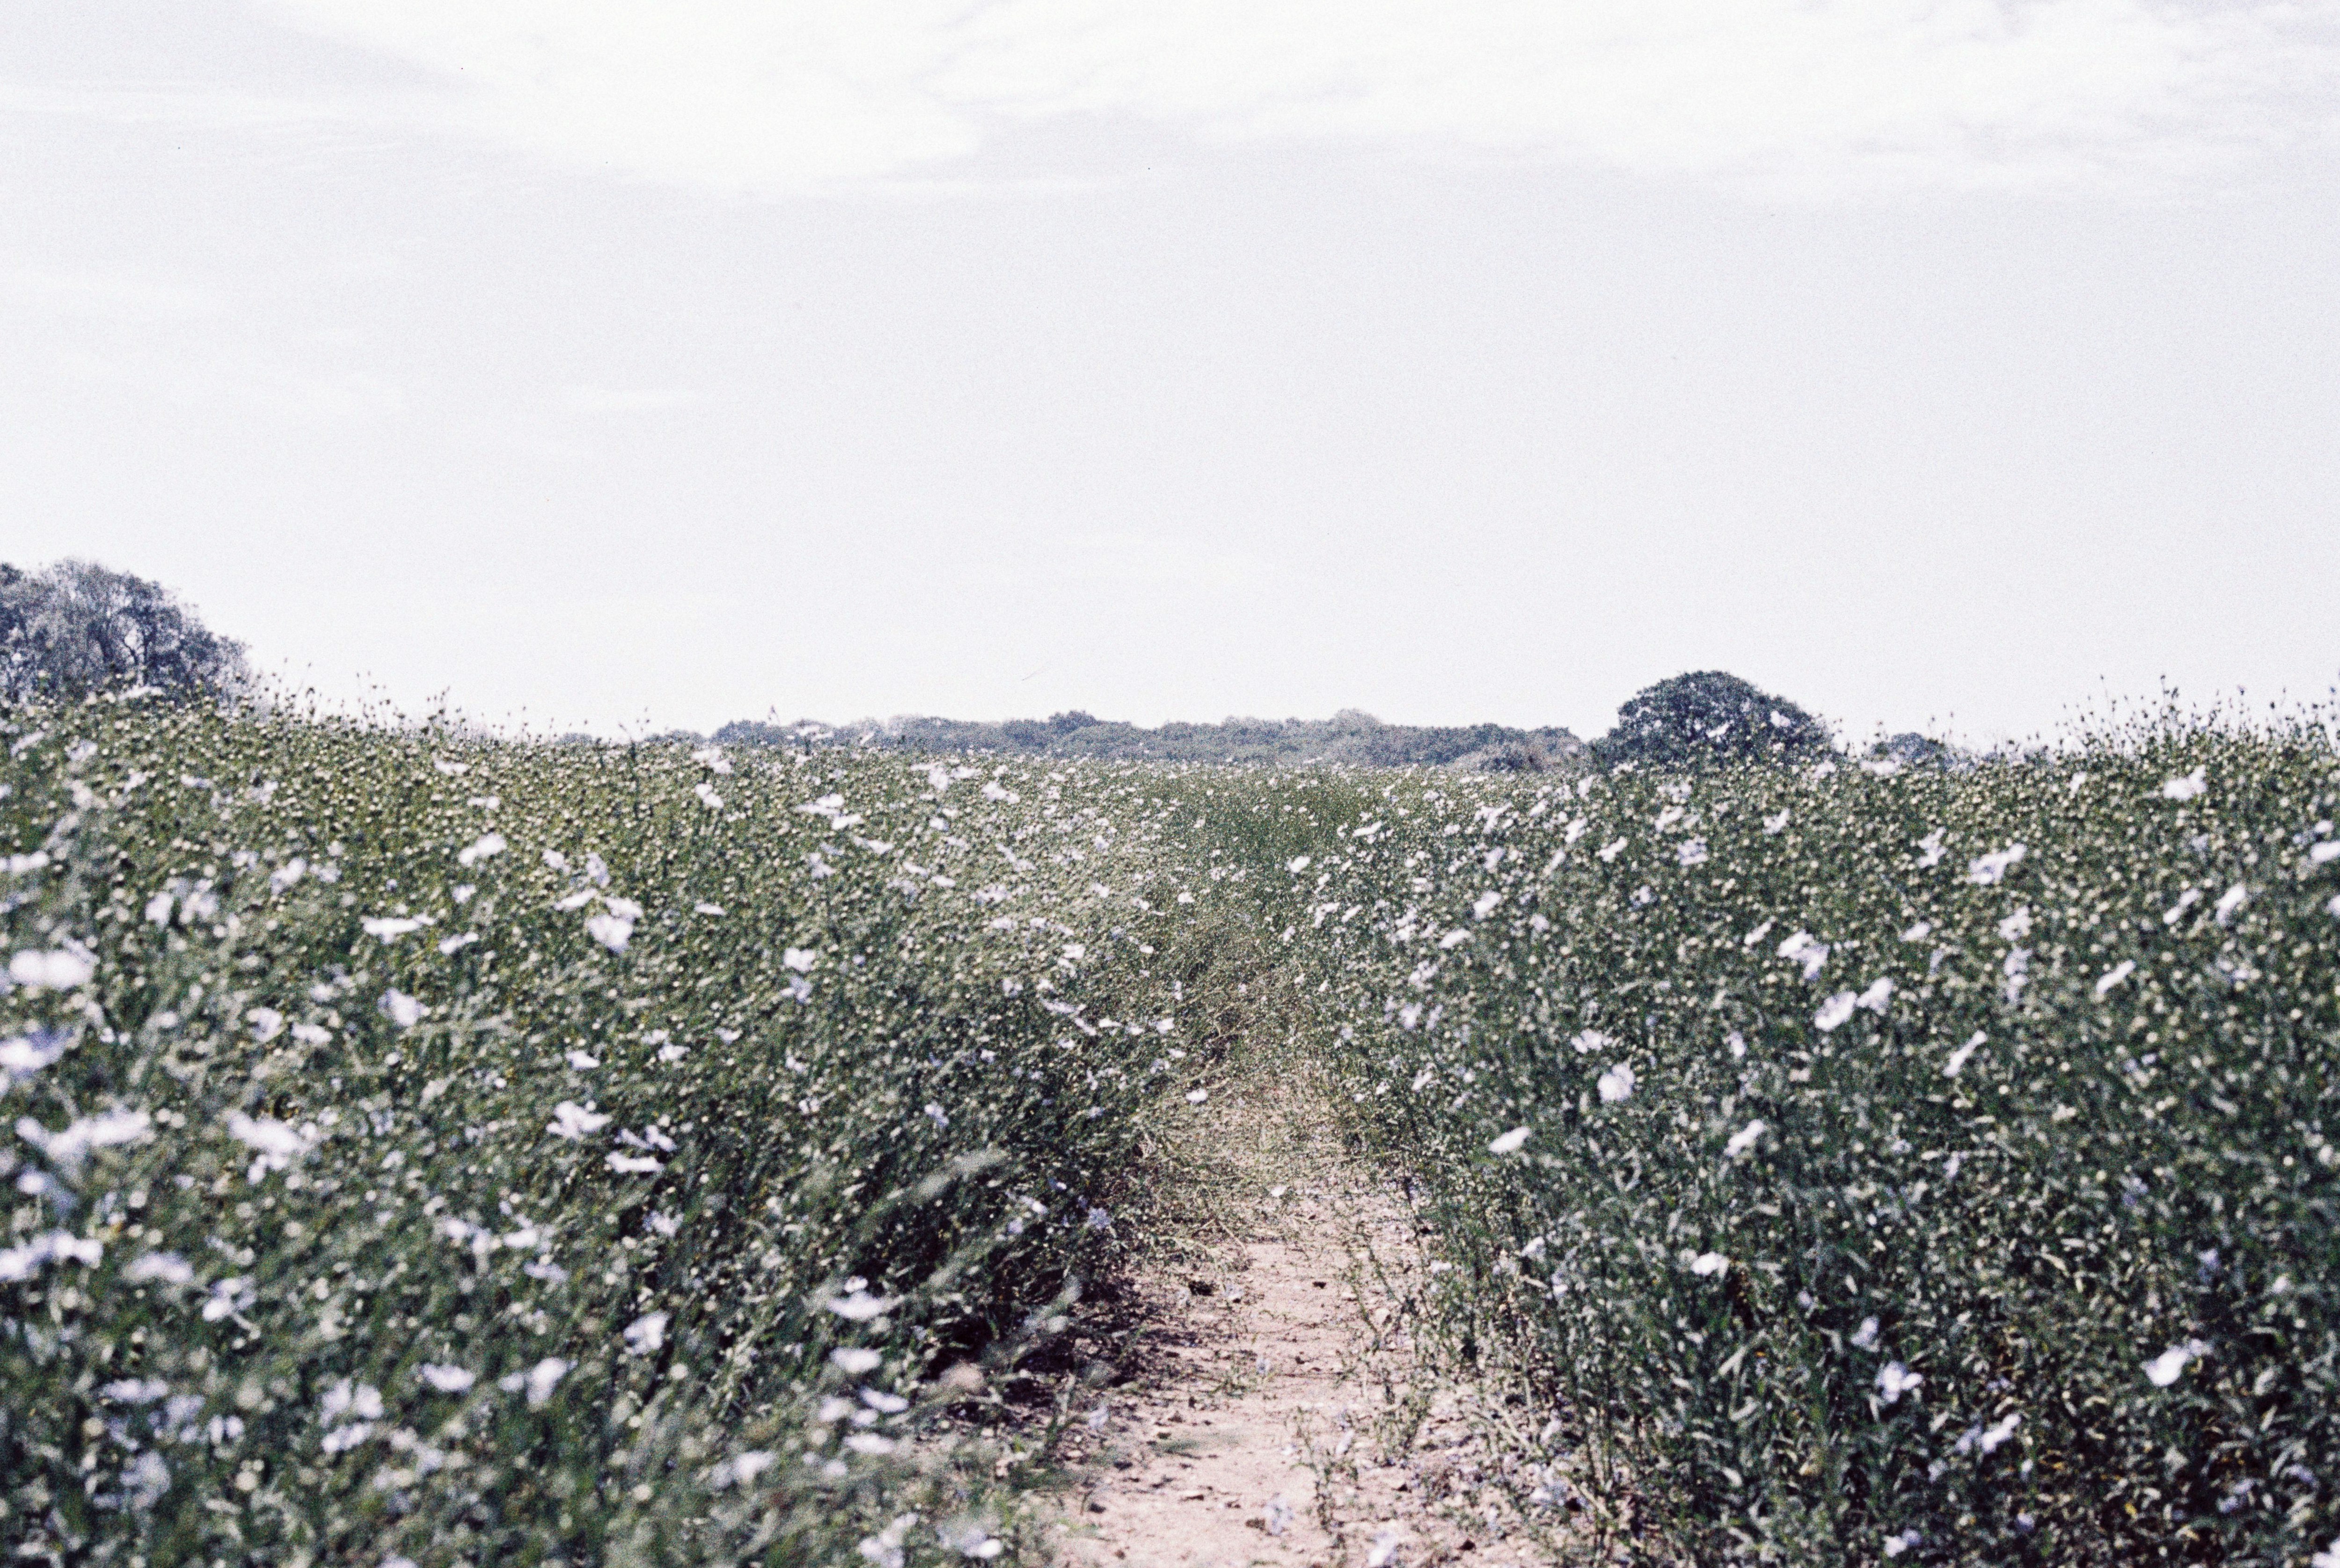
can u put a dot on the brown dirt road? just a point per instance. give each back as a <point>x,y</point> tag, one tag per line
<point>1281,1411</point>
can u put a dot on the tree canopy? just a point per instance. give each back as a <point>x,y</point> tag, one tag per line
<point>77,626</point>
<point>1709,716</point>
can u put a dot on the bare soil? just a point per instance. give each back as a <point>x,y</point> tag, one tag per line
<point>1277,1402</point>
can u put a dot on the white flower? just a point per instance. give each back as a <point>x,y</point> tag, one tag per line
<point>1897,1543</point>
<point>1999,1432</point>
<point>612,930</point>
<point>67,1149</point>
<point>2328,1558</point>
<point>228,1297</point>
<point>448,947</point>
<point>136,1390</point>
<point>743,1468</point>
<point>1196,1096</point>
<point>854,1361</point>
<point>1611,849</point>
<point>1509,1143</point>
<point>1775,823</point>
<point>1590,1041</point>
<point>1835,1011</point>
<point>712,758</point>
<point>1616,1084</point>
<point>1744,1139</point>
<point>2163,1369</point>
<point>1984,869</point>
<point>1918,932</point>
<point>389,928</point>
<point>485,846</point>
<point>1298,864</point>
<point>348,1401</point>
<point>800,959</point>
<point>25,1054</point>
<point>632,1165</point>
<point>1896,1380</point>
<point>1957,1059</point>
<point>1757,935</point>
<point>572,1120</point>
<point>706,908</point>
<point>580,1061</point>
<point>860,1306</point>
<point>266,1023</point>
<point>2233,899</point>
<point>884,1404</point>
<point>1804,949</point>
<point>646,1334</point>
<point>2185,787</point>
<point>342,1438</point>
<point>707,796</point>
<point>1691,852</point>
<point>1485,904</point>
<point>57,971</point>
<point>2115,976</point>
<point>403,1011</point>
<point>543,1379</point>
<point>1865,1336</point>
<point>447,1379</point>
<point>23,1261</point>
<point>284,876</point>
<point>1708,1264</point>
<point>2016,925</point>
<point>276,1145</point>
<point>168,1267</point>
<point>1878,996</point>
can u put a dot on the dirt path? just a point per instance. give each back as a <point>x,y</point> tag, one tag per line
<point>1279,1410</point>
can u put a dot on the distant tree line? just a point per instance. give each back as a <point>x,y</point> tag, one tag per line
<point>1347,737</point>
<point>77,626</point>
<point>1704,718</point>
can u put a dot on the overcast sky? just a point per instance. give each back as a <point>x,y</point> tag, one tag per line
<point>1933,362</point>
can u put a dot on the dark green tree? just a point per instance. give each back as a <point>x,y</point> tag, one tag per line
<point>77,626</point>
<point>1707,718</point>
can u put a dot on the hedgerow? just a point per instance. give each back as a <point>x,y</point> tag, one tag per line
<point>449,1149</point>
<point>1875,1163</point>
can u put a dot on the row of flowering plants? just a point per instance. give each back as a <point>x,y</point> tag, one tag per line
<point>426,1148</point>
<point>1874,1163</point>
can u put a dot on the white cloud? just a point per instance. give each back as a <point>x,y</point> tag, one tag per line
<point>1927,92</point>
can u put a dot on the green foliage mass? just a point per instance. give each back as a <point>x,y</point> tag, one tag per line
<point>474,1151</point>
<point>1880,1162</point>
<point>480,1151</point>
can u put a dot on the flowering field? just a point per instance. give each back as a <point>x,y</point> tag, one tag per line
<point>447,1150</point>
<point>1916,1165</point>
<point>457,1151</point>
